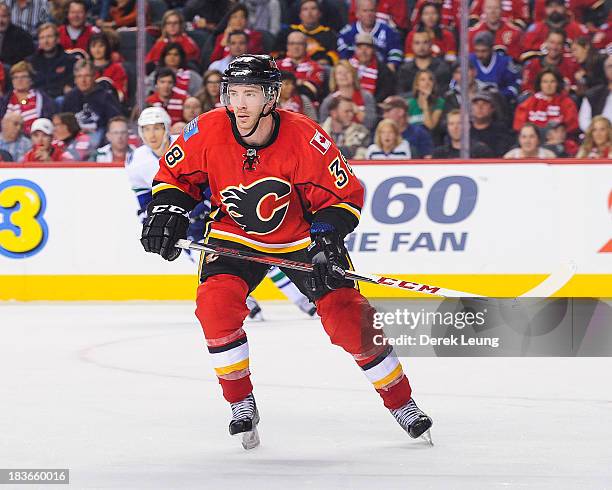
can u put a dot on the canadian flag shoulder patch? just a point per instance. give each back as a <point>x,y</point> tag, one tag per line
<point>320,142</point>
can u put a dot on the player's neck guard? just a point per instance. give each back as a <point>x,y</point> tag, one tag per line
<point>240,138</point>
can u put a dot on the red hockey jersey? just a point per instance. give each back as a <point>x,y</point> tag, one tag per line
<point>535,36</point>
<point>300,173</point>
<point>78,45</point>
<point>449,8</point>
<point>540,110</point>
<point>174,106</point>
<point>307,71</point>
<point>440,46</point>
<point>567,67</point>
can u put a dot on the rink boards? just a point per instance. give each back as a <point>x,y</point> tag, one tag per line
<point>492,228</point>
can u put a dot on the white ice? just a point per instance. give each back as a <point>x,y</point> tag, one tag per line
<point>123,394</point>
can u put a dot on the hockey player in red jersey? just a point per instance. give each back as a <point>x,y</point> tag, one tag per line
<point>279,185</point>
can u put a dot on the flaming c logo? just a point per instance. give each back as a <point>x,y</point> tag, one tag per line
<point>258,208</point>
<point>607,248</point>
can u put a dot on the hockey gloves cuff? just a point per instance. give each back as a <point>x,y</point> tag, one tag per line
<point>326,255</point>
<point>165,225</point>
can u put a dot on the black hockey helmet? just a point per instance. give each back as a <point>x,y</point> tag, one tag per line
<point>252,69</point>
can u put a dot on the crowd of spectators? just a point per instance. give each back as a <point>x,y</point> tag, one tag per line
<point>381,77</point>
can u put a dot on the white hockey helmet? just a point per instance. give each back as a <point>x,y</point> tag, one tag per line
<point>154,115</point>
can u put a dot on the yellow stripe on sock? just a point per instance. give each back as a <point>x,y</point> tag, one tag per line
<point>387,379</point>
<point>234,367</point>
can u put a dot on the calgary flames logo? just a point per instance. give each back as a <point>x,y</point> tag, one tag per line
<point>258,208</point>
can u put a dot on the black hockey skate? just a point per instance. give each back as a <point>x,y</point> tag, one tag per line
<point>245,418</point>
<point>414,421</point>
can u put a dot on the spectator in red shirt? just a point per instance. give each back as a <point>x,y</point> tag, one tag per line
<point>29,102</point>
<point>549,103</point>
<point>165,96</point>
<point>555,58</point>
<point>235,20</point>
<point>449,9</point>
<point>507,36</point>
<point>173,30</point>
<point>393,12</point>
<point>308,73</point>
<point>443,40</point>
<point>578,9</point>
<point>374,77</point>
<point>210,93</point>
<point>42,148</point>
<point>74,35</point>
<point>557,17</point>
<point>107,71</point>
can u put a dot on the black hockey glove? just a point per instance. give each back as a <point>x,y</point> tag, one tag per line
<point>326,255</point>
<point>165,225</point>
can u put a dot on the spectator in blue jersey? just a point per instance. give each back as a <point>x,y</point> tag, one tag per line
<point>495,68</point>
<point>92,104</point>
<point>388,143</point>
<point>419,139</point>
<point>386,39</point>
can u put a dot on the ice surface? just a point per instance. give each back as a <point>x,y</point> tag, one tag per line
<point>123,394</point>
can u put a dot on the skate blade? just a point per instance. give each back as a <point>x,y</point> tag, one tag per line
<point>426,436</point>
<point>250,439</point>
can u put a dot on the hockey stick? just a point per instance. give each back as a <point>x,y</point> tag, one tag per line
<point>305,267</point>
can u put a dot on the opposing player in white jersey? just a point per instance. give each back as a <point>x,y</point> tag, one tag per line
<point>154,130</point>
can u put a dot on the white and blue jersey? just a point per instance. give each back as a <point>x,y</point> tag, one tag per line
<point>386,40</point>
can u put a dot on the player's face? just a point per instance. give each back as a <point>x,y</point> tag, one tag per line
<point>528,140</point>
<point>153,135</point>
<point>600,133</point>
<point>247,102</point>
<point>548,84</point>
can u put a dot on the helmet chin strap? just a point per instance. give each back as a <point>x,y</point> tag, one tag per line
<point>261,114</point>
